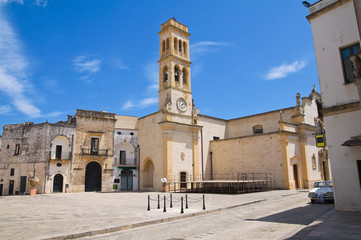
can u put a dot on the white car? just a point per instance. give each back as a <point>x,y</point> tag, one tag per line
<point>322,191</point>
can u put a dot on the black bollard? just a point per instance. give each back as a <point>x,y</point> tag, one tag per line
<point>164,209</point>
<point>182,211</point>
<point>148,209</point>
<point>158,202</point>
<point>204,203</point>
<point>171,203</point>
<point>186,201</point>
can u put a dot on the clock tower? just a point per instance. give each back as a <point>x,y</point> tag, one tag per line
<point>178,123</point>
<point>175,96</point>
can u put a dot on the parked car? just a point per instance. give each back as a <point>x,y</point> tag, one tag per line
<point>322,191</point>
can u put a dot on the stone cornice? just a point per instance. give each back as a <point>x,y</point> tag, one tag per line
<point>344,108</point>
<point>326,9</point>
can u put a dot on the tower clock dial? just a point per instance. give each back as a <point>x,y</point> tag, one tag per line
<point>182,104</point>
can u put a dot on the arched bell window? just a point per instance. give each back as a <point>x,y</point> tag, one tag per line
<point>165,74</point>
<point>176,73</point>
<point>167,44</point>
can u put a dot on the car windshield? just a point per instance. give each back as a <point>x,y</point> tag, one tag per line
<point>323,184</point>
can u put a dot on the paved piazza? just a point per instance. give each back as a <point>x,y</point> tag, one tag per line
<point>283,214</point>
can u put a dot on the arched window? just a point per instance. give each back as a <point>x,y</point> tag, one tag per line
<point>257,129</point>
<point>180,46</point>
<point>163,45</point>
<point>185,48</point>
<point>167,44</point>
<point>165,74</point>
<point>176,74</point>
<point>184,76</point>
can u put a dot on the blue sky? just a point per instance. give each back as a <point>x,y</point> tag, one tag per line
<point>57,56</point>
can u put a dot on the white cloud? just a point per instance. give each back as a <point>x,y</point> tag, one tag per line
<point>200,48</point>
<point>141,104</point>
<point>14,70</point>
<point>10,1</point>
<point>117,63</point>
<point>5,109</point>
<point>86,65</point>
<point>41,3</point>
<point>283,70</point>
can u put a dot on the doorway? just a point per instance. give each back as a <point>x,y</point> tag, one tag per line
<point>22,184</point>
<point>183,180</point>
<point>58,183</point>
<point>11,187</point>
<point>93,177</point>
<point>126,178</point>
<point>295,174</point>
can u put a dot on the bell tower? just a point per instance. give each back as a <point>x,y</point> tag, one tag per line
<point>175,94</point>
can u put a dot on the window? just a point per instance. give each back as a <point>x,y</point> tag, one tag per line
<point>94,147</point>
<point>180,46</point>
<point>257,129</point>
<point>176,74</point>
<point>167,44</point>
<point>163,46</point>
<point>346,53</point>
<point>122,158</point>
<point>17,149</point>
<point>165,74</point>
<point>58,151</point>
<point>215,138</point>
<point>12,171</point>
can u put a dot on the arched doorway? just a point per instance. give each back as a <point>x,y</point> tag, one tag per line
<point>93,177</point>
<point>58,183</point>
<point>126,179</point>
<point>148,169</point>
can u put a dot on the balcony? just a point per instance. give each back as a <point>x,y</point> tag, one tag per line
<point>59,155</point>
<point>93,152</point>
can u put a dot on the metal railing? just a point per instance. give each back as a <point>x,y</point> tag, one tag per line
<point>223,183</point>
<point>59,155</point>
<point>92,152</point>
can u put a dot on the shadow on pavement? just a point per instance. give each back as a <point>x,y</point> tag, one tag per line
<point>302,215</point>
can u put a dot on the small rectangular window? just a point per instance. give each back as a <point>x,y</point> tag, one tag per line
<point>17,149</point>
<point>12,171</point>
<point>346,54</point>
<point>122,158</point>
<point>58,151</point>
<point>94,147</point>
<point>215,138</point>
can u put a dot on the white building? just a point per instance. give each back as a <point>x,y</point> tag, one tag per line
<point>336,33</point>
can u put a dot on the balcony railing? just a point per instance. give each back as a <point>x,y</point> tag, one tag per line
<point>59,155</point>
<point>92,152</point>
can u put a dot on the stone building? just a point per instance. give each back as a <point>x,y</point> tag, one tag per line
<point>110,152</point>
<point>336,29</point>
<point>126,154</point>
<point>93,151</point>
<point>42,149</point>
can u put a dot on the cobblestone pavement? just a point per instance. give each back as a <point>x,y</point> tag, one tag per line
<point>75,215</point>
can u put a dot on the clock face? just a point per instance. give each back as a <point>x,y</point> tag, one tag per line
<point>182,104</point>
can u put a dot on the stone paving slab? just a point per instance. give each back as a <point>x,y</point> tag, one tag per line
<point>49,216</point>
<point>73,215</point>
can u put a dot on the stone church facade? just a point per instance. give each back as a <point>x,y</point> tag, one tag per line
<point>109,152</point>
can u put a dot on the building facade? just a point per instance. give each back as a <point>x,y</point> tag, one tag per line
<point>177,144</point>
<point>336,32</point>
